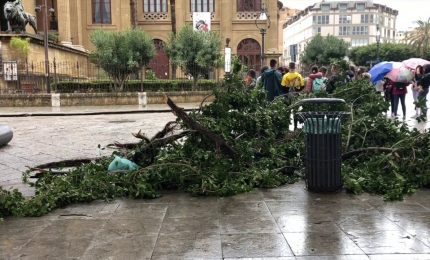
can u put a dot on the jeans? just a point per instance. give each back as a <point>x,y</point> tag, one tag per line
<point>396,99</point>
<point>423,96</point>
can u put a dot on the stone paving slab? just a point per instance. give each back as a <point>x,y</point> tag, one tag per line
<point>175,226</point>
<point>285,223</point>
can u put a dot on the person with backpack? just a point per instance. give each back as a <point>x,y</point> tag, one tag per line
<point>292,81</point>
<point>311,77</point>
<point>272,81</point>
<point>317,80</point>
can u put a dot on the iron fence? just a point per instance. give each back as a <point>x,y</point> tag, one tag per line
<point>29,77</point>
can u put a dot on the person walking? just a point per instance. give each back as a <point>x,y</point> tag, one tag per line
<point>419,72</point>
<point>272,81</point>
<point>423,89</point>
<point>388,93</point>
<point>250,81</point>
<point>310,79</point>
<point>292,81</point>
<point>399,91</point>
<point>259,82</point>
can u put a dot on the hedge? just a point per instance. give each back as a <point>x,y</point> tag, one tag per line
<point>133,86</point>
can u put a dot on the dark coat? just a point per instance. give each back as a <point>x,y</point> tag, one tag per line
<point>272,83</point>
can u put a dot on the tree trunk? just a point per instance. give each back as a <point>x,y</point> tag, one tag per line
<point>133,15</point>
<point>173,18</point>
<point>195,80</point>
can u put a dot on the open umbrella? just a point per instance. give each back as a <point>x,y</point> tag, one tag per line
<point>413,63</point>
<point>381,69</point>
<point>401,74</point>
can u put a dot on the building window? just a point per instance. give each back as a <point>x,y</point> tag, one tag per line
<point>325,7</point>
<point>361,6</point>
<point>343,7</point>
<point>367,18</point>
<point>155,6</point>
<point>360,30</point>
<point>321,19</point>
<point>344,19</point>
<point>248,5</point>
<point>344,30</point>
<point>316,30</point>
<point>101,11</point>
<point>202,6</point>
<point>359,42</point>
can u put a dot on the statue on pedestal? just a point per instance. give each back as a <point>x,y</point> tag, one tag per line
<point>16,18</point>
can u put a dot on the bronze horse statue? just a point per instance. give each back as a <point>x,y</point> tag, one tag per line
<point>16,18</point>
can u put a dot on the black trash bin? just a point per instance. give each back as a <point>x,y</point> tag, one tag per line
<point>323,141</point>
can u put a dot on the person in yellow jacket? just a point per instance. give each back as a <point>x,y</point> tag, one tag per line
<point>292,81</point>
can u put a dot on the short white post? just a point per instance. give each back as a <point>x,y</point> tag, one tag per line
<point>55,100</point>
<point>143,99</point>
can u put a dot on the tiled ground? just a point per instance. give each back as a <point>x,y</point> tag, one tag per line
<point>285,223</point>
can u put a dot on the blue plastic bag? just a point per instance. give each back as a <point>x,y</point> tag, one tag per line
<point>120,163</point>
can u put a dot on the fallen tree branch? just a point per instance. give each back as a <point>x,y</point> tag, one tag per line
<point>66,163</point>
<point>168,128</point>
<point>349,154</point>
<point>192,124</point>
<point>42,169</point>
<point>128,146</point>
<point>148,151</point>
<point>203,101</point>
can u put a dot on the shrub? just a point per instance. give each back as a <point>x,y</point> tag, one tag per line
<point>133,86</point>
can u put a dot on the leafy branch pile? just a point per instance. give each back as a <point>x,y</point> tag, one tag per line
<point>235,144</point>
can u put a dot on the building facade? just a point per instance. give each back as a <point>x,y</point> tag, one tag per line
<point>356,22</point>
<point>235,21</point>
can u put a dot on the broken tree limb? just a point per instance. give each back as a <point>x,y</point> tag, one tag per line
<point>349,154</point>
<point>168,128</point>
<point>128,146</point>
<point>42,169</point>
<point>147,152</point>
<point>192,124</point>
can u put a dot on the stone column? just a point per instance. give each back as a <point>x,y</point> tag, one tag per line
<point>226,20</point>
<point>64,17</point>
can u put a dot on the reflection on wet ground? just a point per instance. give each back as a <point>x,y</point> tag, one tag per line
<point>283,223</point>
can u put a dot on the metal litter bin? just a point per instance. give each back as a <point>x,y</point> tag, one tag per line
<point>323,141</point>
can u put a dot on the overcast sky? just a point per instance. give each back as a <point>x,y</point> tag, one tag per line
<point>409,10</point>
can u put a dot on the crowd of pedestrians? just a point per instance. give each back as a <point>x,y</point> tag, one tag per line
<point>395,92</point>
<point>281,81</point>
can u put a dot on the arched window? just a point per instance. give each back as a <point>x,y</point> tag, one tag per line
<point>102,11</point>
<point>248,5</point>
<point>249,53</point>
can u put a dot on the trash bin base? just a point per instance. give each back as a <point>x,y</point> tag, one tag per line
<point>323,162</point>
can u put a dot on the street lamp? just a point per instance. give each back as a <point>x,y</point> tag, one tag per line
<point>262,22</point>
<point>45,39</point>
<point>378,42</point>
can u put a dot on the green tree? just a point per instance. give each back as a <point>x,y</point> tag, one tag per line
<point>321,50</point>
<point>363,55</point>
<point>21,48</point>
<point>419,38</point>
<point>196,52</point>
<point>121,54</point>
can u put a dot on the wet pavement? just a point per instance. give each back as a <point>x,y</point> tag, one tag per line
<point>284,223</point>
